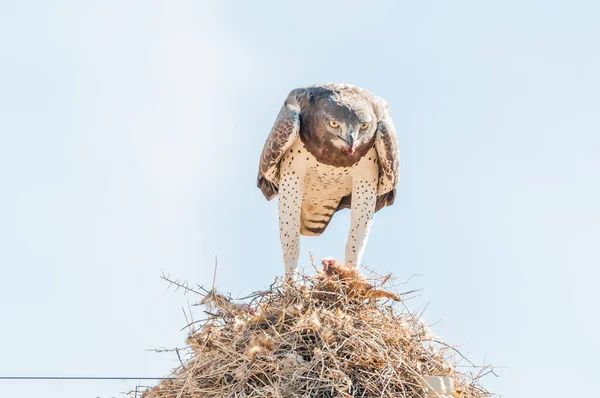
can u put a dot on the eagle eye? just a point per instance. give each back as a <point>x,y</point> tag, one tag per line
<point>364,126</point>
<point>334,124</point>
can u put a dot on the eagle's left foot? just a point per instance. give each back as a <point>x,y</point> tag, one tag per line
<point>292,279</point>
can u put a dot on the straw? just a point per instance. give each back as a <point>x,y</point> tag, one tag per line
<point>337,334</point>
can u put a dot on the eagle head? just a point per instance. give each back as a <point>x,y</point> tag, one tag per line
<point>338,126</point>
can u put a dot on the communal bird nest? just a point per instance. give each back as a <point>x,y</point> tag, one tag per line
<point>337,334</point>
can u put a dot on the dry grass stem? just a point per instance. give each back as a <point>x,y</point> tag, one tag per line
<point>336,335</point>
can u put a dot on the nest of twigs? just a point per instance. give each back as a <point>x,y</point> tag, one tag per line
<point>336,335</point>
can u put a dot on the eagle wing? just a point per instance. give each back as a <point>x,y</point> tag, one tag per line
<point>283,134</point>
<point>386,144</point>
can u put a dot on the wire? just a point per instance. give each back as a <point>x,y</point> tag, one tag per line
<point>81,378</point>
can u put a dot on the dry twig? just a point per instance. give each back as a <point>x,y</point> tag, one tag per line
<point>331,337</point>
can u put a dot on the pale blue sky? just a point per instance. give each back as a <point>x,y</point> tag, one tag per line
<point>129,140</point>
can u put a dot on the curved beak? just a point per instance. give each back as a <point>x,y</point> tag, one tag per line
<point>352,136</point>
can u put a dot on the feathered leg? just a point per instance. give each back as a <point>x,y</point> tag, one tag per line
<point>290,204</point>
<point>364,198</point>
